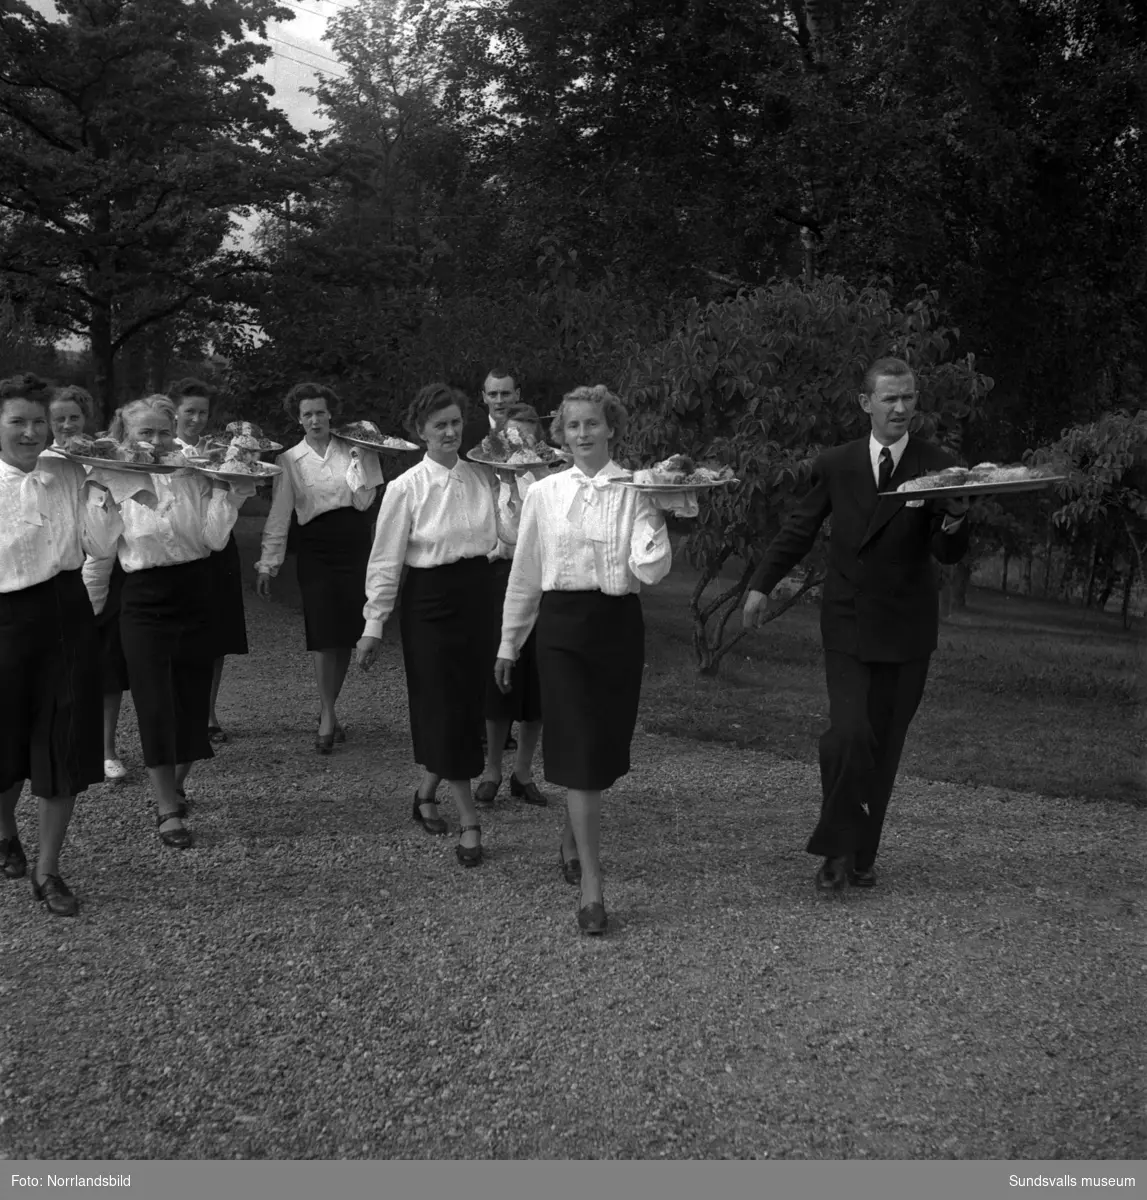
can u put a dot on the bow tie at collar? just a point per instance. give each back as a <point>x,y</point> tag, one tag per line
<point>33,498</point>
<point>586,509</point>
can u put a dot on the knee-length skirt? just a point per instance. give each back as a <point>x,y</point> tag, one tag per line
<point>50,697</point>
<point>113,667</point>
<point>333,549</point>
<point>523,702</point>
<point>165,624</point>
<point>591,655</point>
<point>449,643</point>
<point>228,616</point>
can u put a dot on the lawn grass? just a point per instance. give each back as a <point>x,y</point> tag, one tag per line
<point>1022,694</point>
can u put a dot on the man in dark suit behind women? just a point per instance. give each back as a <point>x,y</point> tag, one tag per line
<point>499,393</point>
<point>879,612</point>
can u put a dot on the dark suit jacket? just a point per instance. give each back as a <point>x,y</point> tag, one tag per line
<point>477,426</point>
<point>880,601</point>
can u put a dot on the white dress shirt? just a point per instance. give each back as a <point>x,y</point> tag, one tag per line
<point>431,515</point>
<point>578,534</point>
<point>192,516</point>
<point>949,524</point>
<point>311,484</point>
<point>49,519</point>
<point>874,448</point>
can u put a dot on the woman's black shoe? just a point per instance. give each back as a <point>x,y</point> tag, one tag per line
<point>434,825</point>
<point>592,918</point>
<point>325,743</point>
<point>529,792</point>
<point>13,861</point>
<point>56,896</point>
<point>486,791</point>
<point>180,839</point>
<point>571,868</point>
<point>469,856</point>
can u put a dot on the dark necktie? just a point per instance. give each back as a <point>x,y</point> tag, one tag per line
<point>885,469</point>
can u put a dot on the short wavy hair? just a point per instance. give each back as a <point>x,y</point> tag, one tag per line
<point>182,388</point>
<point>432,398</point>
<point>26,386</point>
<point>611,407</point>
<point>527,415</point>
<point>309,390</point>
<point>155,403</point>
<point>81,397</point>
<point>896,368</point>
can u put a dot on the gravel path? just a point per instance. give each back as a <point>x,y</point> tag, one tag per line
<point>318,978</point>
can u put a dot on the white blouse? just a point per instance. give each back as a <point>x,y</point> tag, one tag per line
<point>431,515</point>
<point>49,519</point>
<point>511,495</point>
<point>311,484</point>
<point>191,517</point>
<point>579,534</point>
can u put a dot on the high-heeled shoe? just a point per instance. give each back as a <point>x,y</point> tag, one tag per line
<point>55,895</point>
<point>571,867</point>
<point>340,734</point>
<point>529,792</point>
<point>325,743</point>
<point>591,918</point>
<point>180,839</point>
<point>487,790</point>
<point>469,856</point>
<point>435,825</point>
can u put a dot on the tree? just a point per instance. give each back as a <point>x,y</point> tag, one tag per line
<point>132,133</point>
<point>762,383</point>
<point>1105,493</point>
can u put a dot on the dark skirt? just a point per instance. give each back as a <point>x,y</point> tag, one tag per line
<point>113,666</point>
<point>449,642</point>
<point>333,550</point>
<point>228,616</point>
<point>591,655</point>
<point>165,623</point>
<point>523,702</point>
<point>50,703</point>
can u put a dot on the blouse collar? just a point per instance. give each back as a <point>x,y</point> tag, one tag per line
<point>609,471</point>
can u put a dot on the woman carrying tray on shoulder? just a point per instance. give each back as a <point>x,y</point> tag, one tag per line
<point>585,546</point>
<point>51,513</point>
<point>164,548</point>
<point>73,413</point>
<point>439,520</point>
<point>523,702</point>
<point>330,486</point>
<point>192,399</point>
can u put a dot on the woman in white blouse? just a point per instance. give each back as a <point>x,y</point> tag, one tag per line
<point>50,515</point>
<point>439,520</point>
<point>523,702</point>
<point>72,412</point>
<point>585,546</point>
<point>329,486</point>
<point>165,608</point>
<point>192,399</point>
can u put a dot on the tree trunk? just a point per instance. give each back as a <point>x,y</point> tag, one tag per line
<point>1047,559</point>
<point>1108,587</point>
<point>103,366</point>
<point>1029,559</point>
<point>1089,590</point>
<point>946,593</point>
<point>1128,584</point>
<point>1004,573</point>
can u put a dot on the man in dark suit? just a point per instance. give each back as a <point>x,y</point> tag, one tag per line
<point>499,393</point>
<point>879,612</point>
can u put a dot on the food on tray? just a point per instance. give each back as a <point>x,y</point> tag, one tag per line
<point>981,473</point>
<point>246,429</point>
<point>88,447</point>
<point>368,431</point>
<point>514,447</point>
<point>680,470</point>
